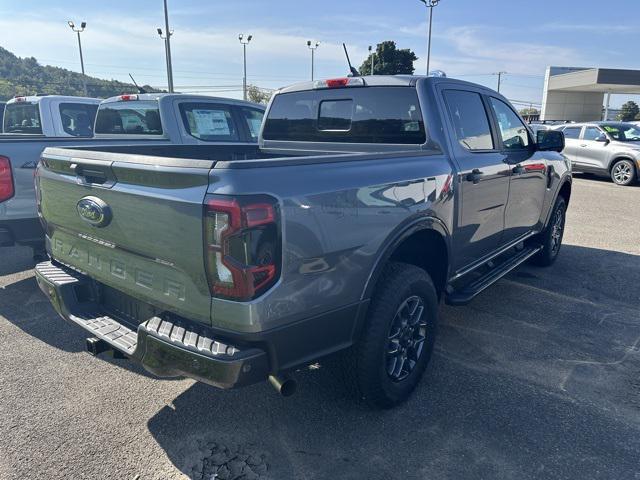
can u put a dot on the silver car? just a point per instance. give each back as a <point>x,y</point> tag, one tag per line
<point>604,148</point>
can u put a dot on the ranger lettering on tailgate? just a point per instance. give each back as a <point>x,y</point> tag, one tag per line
<point>92,262</point>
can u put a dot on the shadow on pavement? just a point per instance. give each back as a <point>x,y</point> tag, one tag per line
<point>24,305</point>
<point>15,259</point>
<point>536,378</point>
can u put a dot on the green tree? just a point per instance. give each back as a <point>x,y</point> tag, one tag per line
<point>529,111</point>
<point>629,111</point>
<point>389,60</point>
<point>25,76</point>
<point>258,95</point>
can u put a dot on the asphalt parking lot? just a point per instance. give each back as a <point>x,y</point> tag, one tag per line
<point>539,377</point>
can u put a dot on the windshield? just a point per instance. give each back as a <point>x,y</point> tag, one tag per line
<point>129,118</point>
<point>623,132</point>
<point>352,115</point>
<point>22,118</point>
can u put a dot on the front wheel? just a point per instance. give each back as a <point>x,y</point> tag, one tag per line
<point>623,173</point>
<point>398,338</point>
<point>551,237</point>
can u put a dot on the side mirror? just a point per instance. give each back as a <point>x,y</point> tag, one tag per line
<point>550,140</point>
<point>603,139</point>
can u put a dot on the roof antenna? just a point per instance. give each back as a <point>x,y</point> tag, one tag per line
<point>354,72</point>
<point>140,89</point>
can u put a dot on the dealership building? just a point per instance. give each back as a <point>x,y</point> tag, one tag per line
<point>583,94</point>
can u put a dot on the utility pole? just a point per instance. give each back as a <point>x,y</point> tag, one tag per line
<point>165,37</point>
<point>244,41</point>
<point>79,31</point>
<point>430,4</point>
<point>606,108</point>
<point>499,74</point>
<point>313,45</point>
<point>373,57</point>
<point>167,40</point>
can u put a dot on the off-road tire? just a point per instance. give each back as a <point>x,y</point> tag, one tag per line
<point>551,238</point>
<point>367,361</point>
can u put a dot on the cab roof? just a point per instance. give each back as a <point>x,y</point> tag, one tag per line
<point>48,98</point>
<point>164,97</point>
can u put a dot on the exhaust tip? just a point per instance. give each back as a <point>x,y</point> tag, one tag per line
<point>285,386</point>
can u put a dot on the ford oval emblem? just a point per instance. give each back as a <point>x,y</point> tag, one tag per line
<point>94,211</point>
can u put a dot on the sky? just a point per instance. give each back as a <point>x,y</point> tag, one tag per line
<point>471,39</point>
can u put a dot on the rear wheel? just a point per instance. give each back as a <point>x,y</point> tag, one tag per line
<point>623,172</point>
<point>398,337</point>
<point>551,237</point>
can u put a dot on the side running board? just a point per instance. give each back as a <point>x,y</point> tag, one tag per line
<point>468,292</point>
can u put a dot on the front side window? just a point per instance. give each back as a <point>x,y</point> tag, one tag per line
<point>347,115</point>
<point>592,133</point>
<point>469,119</point>
<point>624,132</point>
<point>253,118</point>
<point>129,118</point>
<point>22,117</point>
<point>513,132</point>
<point>572,132</point>
<point>209,122</point>
<point>77,118</point>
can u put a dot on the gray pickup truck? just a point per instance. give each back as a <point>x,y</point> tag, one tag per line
<point>367,201</point>
<point>150,121</point>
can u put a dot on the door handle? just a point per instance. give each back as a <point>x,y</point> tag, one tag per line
<point>474,176</point>
<point>584,145</point>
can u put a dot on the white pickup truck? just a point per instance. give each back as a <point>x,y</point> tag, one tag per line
<point>129,122</point>
<point>50,116</point>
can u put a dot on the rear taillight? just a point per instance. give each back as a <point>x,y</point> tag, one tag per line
<point>6,179</point>
<point>242,245</point>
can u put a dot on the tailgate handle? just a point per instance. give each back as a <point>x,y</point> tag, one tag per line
<point>89,175</point>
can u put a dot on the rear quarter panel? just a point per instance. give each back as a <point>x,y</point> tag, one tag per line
<point>336,219</point>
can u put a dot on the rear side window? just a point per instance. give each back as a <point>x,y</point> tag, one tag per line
<point>129,118</point>
<point>209,122</point>
<point>572,132</point>
<point>348,115</point>
<point>470,120</point>
<point>77,118</point>
<point>253,119</point>
<point>513,132</point>
<point>22,118</point>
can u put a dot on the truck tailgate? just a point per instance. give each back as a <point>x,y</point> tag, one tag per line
<point>133,223</point>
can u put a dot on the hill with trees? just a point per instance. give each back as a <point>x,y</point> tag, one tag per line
<point>25,76</point>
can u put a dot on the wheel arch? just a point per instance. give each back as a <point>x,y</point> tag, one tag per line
<point>425,243</point>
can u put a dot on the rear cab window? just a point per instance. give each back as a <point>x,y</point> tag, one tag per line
<point>78,118</point>
<point>139,117</point>
<point>389,115</point>
<point>22,117</point>
<point>209,122</point>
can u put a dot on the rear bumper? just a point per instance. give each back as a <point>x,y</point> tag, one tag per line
<point>23,231</point>
<point>166,347</point>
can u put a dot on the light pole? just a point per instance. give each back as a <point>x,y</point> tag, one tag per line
<point>373,57</point>
<point>430,4</point>
<point>313,45</point>
<point>499,74</point>
<point>167,40</point>
<point>79,31</point>
<point>167,55</point>
<point>244,41</point>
